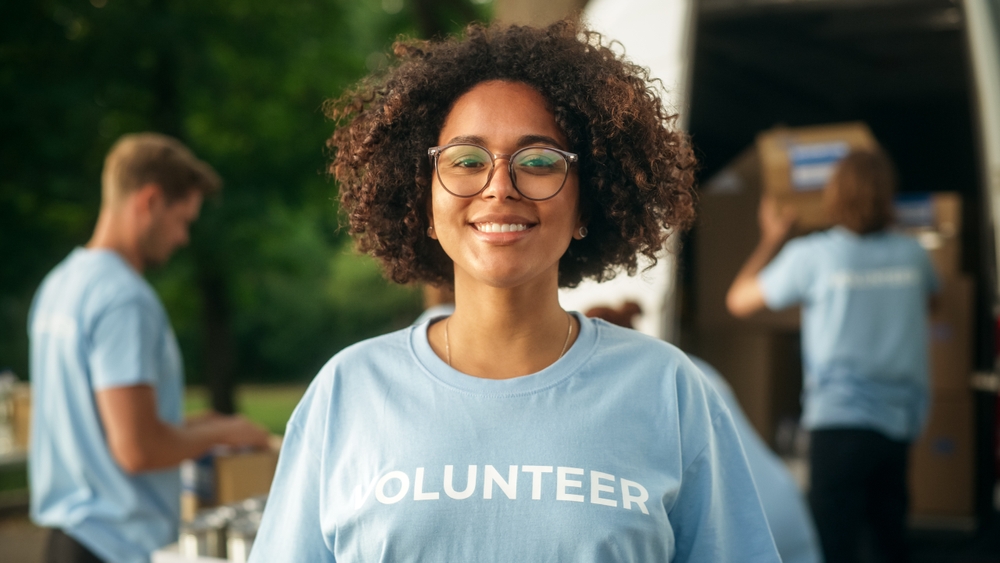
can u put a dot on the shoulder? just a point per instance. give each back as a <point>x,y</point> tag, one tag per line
<point>818,240</point>
<point>107,280</point>
<point>387,347</point>
<point>649,359</point>
<point>617,342</point>
<point>385,354</point>
<point>91,282</point>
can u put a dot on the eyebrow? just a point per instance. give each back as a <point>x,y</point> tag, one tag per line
<point>523,141</point>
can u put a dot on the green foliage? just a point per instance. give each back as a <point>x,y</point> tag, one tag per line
<point>268,405</point>
<point>242,83</point>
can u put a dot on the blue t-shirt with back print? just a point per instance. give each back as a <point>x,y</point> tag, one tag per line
<point>618,452</point>
<point>864,327</point>
<point>96,324</point>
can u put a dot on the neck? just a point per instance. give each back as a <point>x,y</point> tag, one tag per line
<point>525,326</point>
<point>114,232</point>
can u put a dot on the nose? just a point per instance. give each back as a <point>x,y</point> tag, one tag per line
<point>500,184</point>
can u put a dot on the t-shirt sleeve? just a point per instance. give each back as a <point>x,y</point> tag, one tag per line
<point>717,515</point>
<point>291,529</point>
<point>785,280</point>
<point>125,341</point>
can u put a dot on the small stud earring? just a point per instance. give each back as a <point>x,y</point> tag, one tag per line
<point>582,232</point>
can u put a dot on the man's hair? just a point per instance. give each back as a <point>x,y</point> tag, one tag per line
<point>860,192</point>
<point>636,168</point>
<point>139,159</point>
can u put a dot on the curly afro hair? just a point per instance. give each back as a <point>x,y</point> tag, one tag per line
<point>636,170</point>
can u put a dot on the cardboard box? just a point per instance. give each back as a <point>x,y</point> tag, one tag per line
<point>939,211</point>
<point>935,220</point>
<point>797,163</point>
<point>20,409</point>
<point>951,328</point>
<point>763,368</point>
<point>942,461</point>
<point>227,476</point>
<point>243,475</point>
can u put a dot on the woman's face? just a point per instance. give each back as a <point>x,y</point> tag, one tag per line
<point>498,237</point>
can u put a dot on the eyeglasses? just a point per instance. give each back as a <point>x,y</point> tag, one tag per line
<point>537,173</point>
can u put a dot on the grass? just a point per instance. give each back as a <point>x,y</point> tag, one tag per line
<point>13,479</point>
<point>267,405</point>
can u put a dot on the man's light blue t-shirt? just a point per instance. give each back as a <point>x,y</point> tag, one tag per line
<point>618,452</point>
<point>97,324</point>
<point>787,514</point>
<point>864,327</point>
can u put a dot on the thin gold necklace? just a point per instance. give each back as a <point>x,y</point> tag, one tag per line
<point>569,332</point>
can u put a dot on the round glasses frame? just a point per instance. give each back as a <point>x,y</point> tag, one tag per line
<point>434,152</point>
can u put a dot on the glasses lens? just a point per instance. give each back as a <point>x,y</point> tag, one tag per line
<point>539,172</point>
<point>463,169</point>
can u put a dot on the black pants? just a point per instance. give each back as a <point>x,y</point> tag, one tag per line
<point>64,549</point>
<point>858,480</point>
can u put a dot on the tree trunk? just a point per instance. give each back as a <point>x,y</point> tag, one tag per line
<point>220,346</point>
<point>219,343</point>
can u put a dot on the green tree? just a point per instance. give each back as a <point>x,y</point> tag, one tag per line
<point>269,288</point>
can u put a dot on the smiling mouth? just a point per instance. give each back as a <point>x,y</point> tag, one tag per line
<point>500,227</point>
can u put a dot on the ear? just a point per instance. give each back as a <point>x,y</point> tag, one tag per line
<point>149,198</point>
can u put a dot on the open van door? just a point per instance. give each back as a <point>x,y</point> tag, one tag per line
<point>658,35</point>
<point>983,33</point>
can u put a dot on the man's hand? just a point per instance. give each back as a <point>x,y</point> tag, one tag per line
<point>139,441</point>
<point>237,431</point>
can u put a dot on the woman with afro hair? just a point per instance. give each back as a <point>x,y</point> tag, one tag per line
<point>507,164</point>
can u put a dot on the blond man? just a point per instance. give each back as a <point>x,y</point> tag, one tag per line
<point>106,372</point>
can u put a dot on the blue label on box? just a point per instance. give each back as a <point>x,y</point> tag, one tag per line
<point>812,164</point>
<point>943,446</point>
<point>914,210</point>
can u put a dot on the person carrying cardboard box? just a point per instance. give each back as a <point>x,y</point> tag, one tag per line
<point>864,293</point>
<point>108,429</point>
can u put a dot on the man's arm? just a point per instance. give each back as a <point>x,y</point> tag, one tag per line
<point>139,441</point>
<point>745,296</point>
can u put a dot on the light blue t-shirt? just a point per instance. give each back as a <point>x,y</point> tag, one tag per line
<point>864,327</point>
<point>96,324</point>
<point>618,452</point>
<point>787,514</point>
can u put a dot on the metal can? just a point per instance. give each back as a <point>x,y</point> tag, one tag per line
<point>240,537</point>
<point>204,536</point>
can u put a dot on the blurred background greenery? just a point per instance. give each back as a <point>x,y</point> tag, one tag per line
<point>269,288</point>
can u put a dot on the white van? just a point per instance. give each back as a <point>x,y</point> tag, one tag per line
<point>923,74</point>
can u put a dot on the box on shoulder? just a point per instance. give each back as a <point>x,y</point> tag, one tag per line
<point>797,163</point>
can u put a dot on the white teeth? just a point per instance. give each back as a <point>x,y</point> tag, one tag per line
<point>500,227</point>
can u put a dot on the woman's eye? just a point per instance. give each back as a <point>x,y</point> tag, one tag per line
<point>536,162</point>
<point>539,164</point>
<point>467,163</point>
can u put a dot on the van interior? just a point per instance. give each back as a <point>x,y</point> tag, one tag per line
<point>902,67</point>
